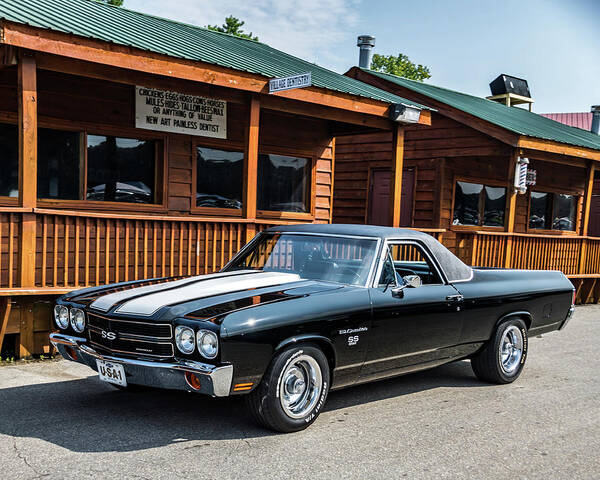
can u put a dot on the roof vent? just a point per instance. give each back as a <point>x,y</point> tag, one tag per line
<point>510,91</point>
<point>366,44</point>
<point>595,119</point>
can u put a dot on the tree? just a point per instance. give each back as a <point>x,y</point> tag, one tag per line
<point>116,3</point>
<point>233,26</point>
<point>400,65</point>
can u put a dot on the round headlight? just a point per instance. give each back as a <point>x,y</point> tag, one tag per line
<point>208,343</point>
<point>77,318</point>
<point>184,339</point>
<point>61,317</point>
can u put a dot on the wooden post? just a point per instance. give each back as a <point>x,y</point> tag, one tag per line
<point>510,208</point>
<point>5,307</point>
<point>396,180</point>
<point>589,187</point>
<point>26,340</point>
<point>27,93</point>
<point>251,166</point>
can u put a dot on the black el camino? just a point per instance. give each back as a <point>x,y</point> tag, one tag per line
<point>302,310</point>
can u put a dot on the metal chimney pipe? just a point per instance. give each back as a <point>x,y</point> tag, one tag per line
<point>595,119</point>
<point>366,44</point>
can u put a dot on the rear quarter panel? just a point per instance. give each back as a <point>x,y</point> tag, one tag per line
<point>492,294</point>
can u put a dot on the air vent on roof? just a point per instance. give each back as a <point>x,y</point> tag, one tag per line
<point>510,91</point>
<point>595,119</point>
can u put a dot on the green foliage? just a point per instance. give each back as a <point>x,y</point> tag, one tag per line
<point>233,26</point>
<point>116,3</point>
<point>401,66</point>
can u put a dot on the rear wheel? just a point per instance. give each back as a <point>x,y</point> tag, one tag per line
<point>292,391</point>
<point>502,359</point>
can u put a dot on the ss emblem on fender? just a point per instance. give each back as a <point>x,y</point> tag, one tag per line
<point>109,335</point>
<point>352,340</point>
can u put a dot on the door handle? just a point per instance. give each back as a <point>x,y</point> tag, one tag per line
<point>455,298</point>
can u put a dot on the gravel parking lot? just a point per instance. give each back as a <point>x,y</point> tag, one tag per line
<point>58,421</point>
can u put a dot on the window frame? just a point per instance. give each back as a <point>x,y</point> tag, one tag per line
<point>160,168</point>
<point>385,251</point>
<point>485,183</point>
<point>551,231</point>
<point>312,185</point>
<point>220,145</point>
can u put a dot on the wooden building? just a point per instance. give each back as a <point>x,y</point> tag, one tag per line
<point>457,176</point>
<point>134,147</point>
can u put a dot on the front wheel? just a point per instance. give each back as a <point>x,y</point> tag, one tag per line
<point>292,391</point>
<point>502,359</point>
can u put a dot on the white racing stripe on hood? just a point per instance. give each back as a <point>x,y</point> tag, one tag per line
<point>149,304</point>
<point>106,302</point>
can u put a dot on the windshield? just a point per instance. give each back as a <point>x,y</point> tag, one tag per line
<point>332,259</point>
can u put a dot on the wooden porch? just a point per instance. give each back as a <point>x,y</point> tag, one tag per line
<point>578,257</point>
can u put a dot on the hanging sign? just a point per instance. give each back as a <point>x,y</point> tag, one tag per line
<point>531,177</point>
<point>180,113</point>
<point>287,83</point>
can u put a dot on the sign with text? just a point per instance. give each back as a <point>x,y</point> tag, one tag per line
<point>180,113</point>
<point>287,83</point>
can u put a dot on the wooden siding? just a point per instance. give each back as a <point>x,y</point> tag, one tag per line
<point>68,101</point>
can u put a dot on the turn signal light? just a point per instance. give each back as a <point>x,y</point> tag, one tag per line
<point>192,380</point>
<point>72,353</point>
<point>240,387</point>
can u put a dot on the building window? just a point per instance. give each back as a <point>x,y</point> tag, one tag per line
<point>219,178</point>
<point>283,183</point>
<point>552,211</point>
<point>9,160</point>
<point>121,169</point>
<point>480,205</point>
<point>59,157</point>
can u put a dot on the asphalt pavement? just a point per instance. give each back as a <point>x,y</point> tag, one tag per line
<point>57,420</point>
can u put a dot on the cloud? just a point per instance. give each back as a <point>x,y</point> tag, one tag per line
<point>311,29</point>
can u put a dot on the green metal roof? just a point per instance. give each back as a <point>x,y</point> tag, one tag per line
<point>514,119</point>
<point>92,19</point>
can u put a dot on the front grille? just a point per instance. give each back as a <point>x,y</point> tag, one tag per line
<point>131,337</point>
<point>132,327</point>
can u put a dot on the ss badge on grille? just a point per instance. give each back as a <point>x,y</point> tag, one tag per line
<point>109,335</point>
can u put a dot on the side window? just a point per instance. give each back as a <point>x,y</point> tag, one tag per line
<point>409,259</point>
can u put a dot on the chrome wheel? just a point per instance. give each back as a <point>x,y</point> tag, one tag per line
<point>300,386</point>
<point>511,349</point>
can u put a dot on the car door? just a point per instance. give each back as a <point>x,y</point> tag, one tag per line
<point>416,326</point>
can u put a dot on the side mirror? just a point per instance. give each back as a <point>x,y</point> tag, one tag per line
<point>410,281</point>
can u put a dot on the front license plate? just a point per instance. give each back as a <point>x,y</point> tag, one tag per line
<point>111,372</point>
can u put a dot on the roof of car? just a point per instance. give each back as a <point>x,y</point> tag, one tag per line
<point>351,229</point>
<point>454,269</point>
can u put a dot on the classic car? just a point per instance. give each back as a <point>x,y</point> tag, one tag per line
<point>305,309</point>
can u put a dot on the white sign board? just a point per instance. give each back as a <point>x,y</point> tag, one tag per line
<point>180,113</point>
<point>287,83</point>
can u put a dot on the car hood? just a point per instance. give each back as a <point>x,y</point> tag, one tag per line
<point>202,297</point>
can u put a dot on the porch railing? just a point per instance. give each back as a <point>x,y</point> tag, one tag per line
<point>573,255</point>
<point>76,249</point>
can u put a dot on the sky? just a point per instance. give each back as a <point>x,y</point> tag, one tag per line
<point>553,44</point>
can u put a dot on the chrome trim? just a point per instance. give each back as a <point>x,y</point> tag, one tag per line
<point>221,376</point>
<point>569,316</point>
<point>429,256</point>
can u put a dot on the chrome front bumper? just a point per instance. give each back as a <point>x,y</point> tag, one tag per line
<point>214,380</point>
